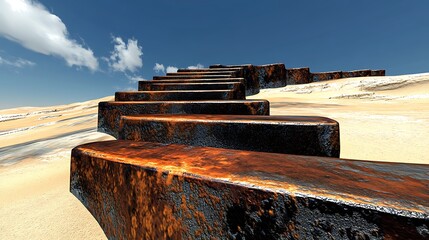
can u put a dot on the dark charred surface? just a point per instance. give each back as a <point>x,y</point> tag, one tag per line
<point>271,75</point>
<point>179,95</point>
<point>324,76</point>
<point>139,190</point>
<point>313,136</point>
<point>150,86</point>
<point>356,73</point>
<point>109,113</point>
<point>192,77</point>
<point>298,76</point>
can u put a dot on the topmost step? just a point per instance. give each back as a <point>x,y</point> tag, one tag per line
<point>232,73</point>
<point>210,69</point>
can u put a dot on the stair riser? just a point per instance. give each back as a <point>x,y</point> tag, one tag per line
<point>193,77</point>
<point>109,113</point>
<point>280,137</point>
<point>179,96</point>
<point>232,73</point>
<point>191,86</point>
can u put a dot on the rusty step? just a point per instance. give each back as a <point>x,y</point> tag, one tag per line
<point>150,86</point>
<point>179,95</point>
<point>109,113</point>
<point>210,69</point>
<point>231,73</point>
<point>141,190</point>
<point>316,136</point>
<point>211,80</point>
<point>187,76</point>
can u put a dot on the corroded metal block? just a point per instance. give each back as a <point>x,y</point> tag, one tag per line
<point>378,72</point>
<point>179,95</point>
<point>210,69</point>
<point>211,80</point>
<point>109,113</point>
<point>248,72</point>
<point>298,76</point>
<point>271,75</point>
<point>187,76</point>
<point>314,136</point>
<point>230,73</point>
<point>356,73</point>
<point>150,86</point>
<point>139,190</point>
<point>324,76</point>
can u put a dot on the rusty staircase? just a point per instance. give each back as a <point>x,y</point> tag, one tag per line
<point>195,159</point>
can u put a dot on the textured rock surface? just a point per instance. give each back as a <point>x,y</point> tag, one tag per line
<point>314,136</point>
<point>298,75</point>
<point>109,113</point>
<point>139,190</point>
<point>180,95</point>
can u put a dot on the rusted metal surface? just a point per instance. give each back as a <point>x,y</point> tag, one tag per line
<point>324,76</point>
<point>230,73</point>
<point>378,72</point>
<point>211,80</point>
<point>271,75</point>
<point>314,136</point>
<point>187,76</point>
<point>179,95</point>
<point>298,76</point>
<point>150,86</point>
<point>138,190</point>
<point>209,69</point>
<point>109,113</point>
<point>356,73</point>
<point>248,72</point>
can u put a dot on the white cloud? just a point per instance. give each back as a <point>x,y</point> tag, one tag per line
<point>135,78</point>
<point>126,56</point>
<point>30,24</point>
<point>159,68</point>
<point>199,65</point>
<point>171,69</point>
<point>19,63</point>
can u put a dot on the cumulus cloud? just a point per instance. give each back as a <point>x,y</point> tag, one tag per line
<point>135,78</point>
<point>171,69</point>
<point>159,68</point>
<point>30,24</point>
<point>126,56</point>
<point>19,63</point>
<point>199,65</point>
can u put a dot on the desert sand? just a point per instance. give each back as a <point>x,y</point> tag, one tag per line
<point>381,119</point>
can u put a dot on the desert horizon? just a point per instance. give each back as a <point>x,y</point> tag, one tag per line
<point>381,119</point>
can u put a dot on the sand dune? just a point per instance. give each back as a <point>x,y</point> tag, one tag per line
<point>381,119</point>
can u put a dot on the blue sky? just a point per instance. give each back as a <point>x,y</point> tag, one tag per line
<point>54,52</point>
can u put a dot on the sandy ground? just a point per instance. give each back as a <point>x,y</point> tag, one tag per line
<point>381,119</point>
